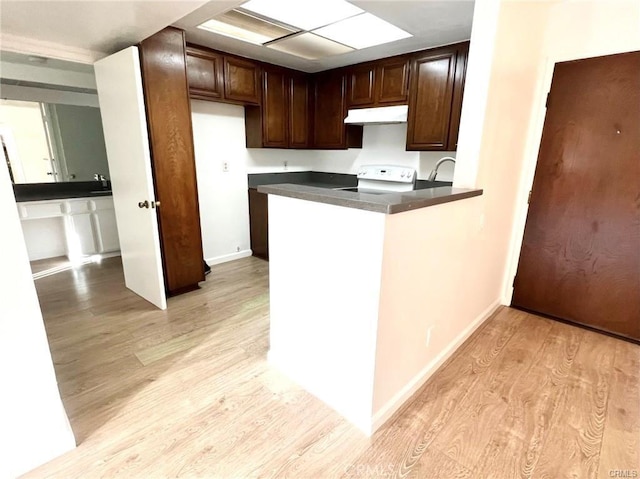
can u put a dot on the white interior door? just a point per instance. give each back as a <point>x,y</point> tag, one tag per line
<point>119,82</point>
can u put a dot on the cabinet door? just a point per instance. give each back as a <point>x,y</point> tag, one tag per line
<point>241,80</point>
<point>392,82</point>
<point>275,120</point>
<point>204,73</point>
<point>329,111</point>
<point>432,79</point>
<point>174,170</point>
<point>80,238</point>
<point>458,92</point>
<point>106,231</point>
<point>298,111</point>
<point>361,86</point>
<point>259,224</point>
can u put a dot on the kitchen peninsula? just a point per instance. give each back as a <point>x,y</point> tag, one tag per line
<point>350,280</point>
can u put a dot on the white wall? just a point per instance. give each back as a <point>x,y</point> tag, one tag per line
<point>384,144</point>
<point>34,426</point>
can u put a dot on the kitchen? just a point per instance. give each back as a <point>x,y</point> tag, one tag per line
<point>480,225</point>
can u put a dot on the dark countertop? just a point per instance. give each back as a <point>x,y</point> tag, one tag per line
<point>388,203</point>
<point>59,191</point>
<point>321,179</point>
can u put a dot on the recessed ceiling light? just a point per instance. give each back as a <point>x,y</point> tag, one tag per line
<point>309,46</point>
<point>362,31</point>
<point>246,27</point>
<point>306,15</point>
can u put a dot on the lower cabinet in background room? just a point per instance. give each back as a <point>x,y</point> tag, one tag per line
<point>259,223</point>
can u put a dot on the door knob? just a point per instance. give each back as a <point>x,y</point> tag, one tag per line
<point>143,204</point>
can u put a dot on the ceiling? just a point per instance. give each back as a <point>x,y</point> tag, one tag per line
<point>104,27</point>
<point>98,26</point>
<point>432,23</point>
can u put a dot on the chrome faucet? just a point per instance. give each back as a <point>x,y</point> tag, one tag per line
<point>434,172</point>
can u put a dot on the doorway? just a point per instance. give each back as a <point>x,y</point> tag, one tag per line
<point>580,256</point>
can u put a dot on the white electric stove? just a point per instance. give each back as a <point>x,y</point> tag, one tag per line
<point>380,179</point>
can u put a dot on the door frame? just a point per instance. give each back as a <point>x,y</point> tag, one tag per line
<point>530,158</point>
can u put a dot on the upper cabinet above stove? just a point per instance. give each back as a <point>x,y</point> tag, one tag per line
<point>381,83</point>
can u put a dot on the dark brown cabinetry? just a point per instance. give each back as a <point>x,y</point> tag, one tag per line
<point>299,112</point>
<point>204,72</point>
<point>215,76</point>
<point>361,85</point>
<point>282,121</point>
<point>259,223</point>
<point>164,75</point>
<point>241,80</point>
<point>381,83</point>
<point>329,112</point>
<point>392,81</point>
<point>437,78</point>
<point>289,109</point>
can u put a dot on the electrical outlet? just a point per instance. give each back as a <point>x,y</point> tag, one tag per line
<point>225,166</point>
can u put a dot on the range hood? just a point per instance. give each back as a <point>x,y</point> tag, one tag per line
<point>377,116</point>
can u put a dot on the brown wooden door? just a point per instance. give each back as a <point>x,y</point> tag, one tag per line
<point>580,258</point>
<point>330,111</point>
<point>204,71</point>
<point>275,120</point>
<point>166,97</point>
<point>241,80</point>
<point>361,89</point>
<point>392,82</point>
<point>298,111</point>
<point>432,80</point>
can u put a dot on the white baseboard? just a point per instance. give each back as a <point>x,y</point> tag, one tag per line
<point>419,379</point>
<point>228,257</point>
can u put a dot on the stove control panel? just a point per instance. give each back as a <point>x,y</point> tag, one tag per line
<point>391,173</point>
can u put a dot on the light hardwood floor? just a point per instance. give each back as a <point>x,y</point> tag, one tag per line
<point>188,393</point>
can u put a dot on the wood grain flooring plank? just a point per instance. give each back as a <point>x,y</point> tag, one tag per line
<point>621,440</point>
<point>572,448</point>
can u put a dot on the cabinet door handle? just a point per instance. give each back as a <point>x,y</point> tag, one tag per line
<point>143,204</point>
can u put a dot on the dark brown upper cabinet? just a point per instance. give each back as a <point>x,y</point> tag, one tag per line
<point>204,72</point>
<point>458,92</point>
<point>215,76</point>
<point>241,80</point>
<point>381,83</point>
<point>392,81</point>
<point>329,112</point>
<point>433,75</point>
<point>299,111</point>
<point>282,121</point>
<point>361,86</point>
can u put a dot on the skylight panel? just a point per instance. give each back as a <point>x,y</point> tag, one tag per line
<point>362,31</point>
